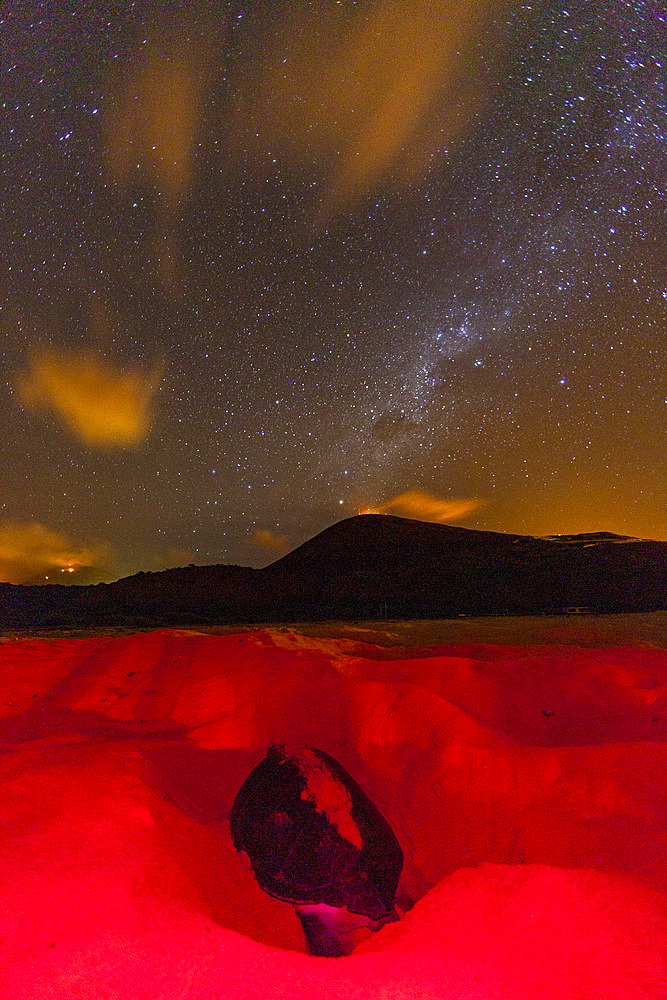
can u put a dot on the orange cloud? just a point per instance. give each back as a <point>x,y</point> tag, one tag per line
<point>265,539</point>
<point>103,404</point>
<point>151,127</point>
<point>425,506</point>
<point>31,552</point>
<point>378,94</point>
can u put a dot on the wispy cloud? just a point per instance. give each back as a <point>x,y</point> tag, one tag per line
<point>173,558</point>
<point>263,538</point>
<point>151,124</point>
<point>377,96</point>
<point>426,506</point>
<point>150,129</point>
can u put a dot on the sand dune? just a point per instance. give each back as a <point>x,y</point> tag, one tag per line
<point>527,785</point>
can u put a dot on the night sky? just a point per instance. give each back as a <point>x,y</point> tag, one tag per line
<point>265,265</point>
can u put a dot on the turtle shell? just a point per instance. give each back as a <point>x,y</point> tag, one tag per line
<point>314,836</point>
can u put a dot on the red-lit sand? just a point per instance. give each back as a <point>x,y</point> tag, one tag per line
<point>528,787</point>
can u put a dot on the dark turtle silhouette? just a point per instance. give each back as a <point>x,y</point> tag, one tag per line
<point>314,838</point>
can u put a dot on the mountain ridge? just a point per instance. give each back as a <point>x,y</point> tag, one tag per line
<point>371,565</point>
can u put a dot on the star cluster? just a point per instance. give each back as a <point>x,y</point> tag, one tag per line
<point>263,267</point>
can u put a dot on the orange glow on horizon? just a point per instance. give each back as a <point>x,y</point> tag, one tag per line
<point>29,552</point>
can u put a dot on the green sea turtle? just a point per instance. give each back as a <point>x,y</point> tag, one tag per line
<point>314,838</point>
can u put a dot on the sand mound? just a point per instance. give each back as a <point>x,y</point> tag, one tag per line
<point>526,785</point>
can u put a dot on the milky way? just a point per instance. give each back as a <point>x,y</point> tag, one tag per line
<point>261,270</point>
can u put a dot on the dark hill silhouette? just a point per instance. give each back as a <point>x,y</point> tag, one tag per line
<point>369,566</point>
<point>392,566</point>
